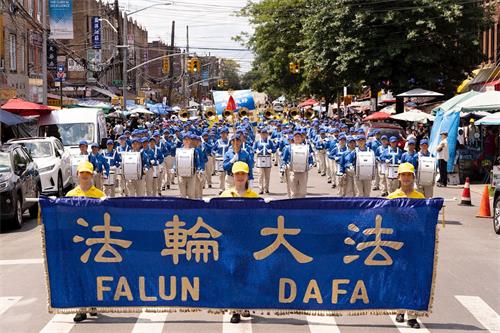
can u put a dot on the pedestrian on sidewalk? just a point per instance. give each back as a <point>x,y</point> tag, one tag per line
<point>442,155</point>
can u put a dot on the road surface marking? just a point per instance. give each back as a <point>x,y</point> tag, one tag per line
<point>7,302</point>
<point>322,324</point>
<point>404,328</point>
<point>60,323</point>
<point>21,261</point>
<point>245,326</point>
<point>150,322</point>
<point>483,313</point>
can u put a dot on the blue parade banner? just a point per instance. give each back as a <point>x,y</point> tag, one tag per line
<point>243,99</point>
<point>61,19</point>
<point>316,255</point>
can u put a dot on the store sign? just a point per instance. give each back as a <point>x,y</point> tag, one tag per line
<point>73,66</point>
<point>61,19</point>
<point>96,32</point>
<point>51,55</point>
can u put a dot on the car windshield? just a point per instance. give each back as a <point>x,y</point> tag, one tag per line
<point>4,162</point>
<point>38,149</point>
<point>69,134</point>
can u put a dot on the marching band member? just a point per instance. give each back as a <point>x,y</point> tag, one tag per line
<point>392,157</point>
<point>207,146</point>
<point>83,145</point>
<point>373,145</point>
<point>406,178</point>
<point>152,164</point>
<point>187,183</point>
<point>334,154</point>
<point>169,159</point>
<point>381,166</point>
<point>320,145</point>
<point>264,147</point>
<point>114,160</point>
<point>153,187</point>
<point>330,162</point>
<point>85,188</point>
<point>234,154</point>
<point>411,155</point>
<point>162,146</point>
<point>427,190</point>
<point>220,148</point>
<point>362,187</point>
<point>200,174</point>
<point>346,167</point>
<point>285,170</point>
<point>137,187</point>
<point>101,166</point>
<point>298,179</point>
<point>123,148</point>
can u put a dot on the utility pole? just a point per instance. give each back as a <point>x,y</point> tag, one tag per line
<point>125,60</point>
<point>171,67</point>
<point>119,36</point>
<point>44,53</point>
<point>186,80</point>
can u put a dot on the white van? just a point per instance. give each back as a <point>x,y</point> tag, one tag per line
<point>73,125</point>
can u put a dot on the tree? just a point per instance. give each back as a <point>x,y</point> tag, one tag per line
<point>230,72</point>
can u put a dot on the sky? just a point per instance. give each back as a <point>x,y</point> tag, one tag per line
<point>212,24</point>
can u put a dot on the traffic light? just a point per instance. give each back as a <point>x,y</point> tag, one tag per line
<point>194,65</point>
<point>294,67</point>
<point>221,83</point>
<point>165,65</point>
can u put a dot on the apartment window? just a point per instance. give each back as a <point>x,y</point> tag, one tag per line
<point>39,10</point>
<point>22,55</point>
<point>12,52</point>
<point>31,7</point>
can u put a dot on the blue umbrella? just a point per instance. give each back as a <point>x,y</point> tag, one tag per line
<point>10,119</point>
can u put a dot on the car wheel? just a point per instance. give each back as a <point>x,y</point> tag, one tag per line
<point>60,186</point>
<point>496,216</point>
<point>17,221</point>
<point>34,209</point>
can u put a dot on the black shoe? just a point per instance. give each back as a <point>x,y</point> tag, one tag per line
<point>235,318</point>
<point>413,323</point>
<point>168,187</point>
<point>261,192</point>
<point>329,181</point>
<point>245,313</point>
<point>80,317</point>
<point>385,194</point>
<point>220,192</point>
<point>400,318</point>
<point>375,189</point>
<point>267,191</point>
<point>323,174</point>
<point>93,313</point>
<point>334,186</point>
<point>159,194</point>
<point>209,186</point>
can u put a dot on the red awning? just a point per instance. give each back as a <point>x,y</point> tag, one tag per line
<point>309,102</point>
<point>24,108</point>
<point>377,116</point>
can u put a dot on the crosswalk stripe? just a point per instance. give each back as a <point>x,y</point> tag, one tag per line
<point>150,322</point>
<point>60,323</point>
<point>483,313</point>
<point>322,324</point>
<point>21,261</point>
<point>245,326</point>
<point>7,302</point>
<point>404,328</point>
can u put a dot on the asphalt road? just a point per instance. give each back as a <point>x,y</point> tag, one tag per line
<point>467,295</point>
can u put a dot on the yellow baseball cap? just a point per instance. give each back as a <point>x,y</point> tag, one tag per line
<point>406,168</point>
<point>240,167</point>
<point>85,166</point>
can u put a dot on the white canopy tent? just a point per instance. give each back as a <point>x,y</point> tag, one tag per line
<point>413,115</point>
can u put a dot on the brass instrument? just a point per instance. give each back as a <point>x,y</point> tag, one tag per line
<point>269,113</point>
<point>227,113</point>
<point>243,112</point>
<point>310,114</point>
<point>209,112</point>
<point>184,115</point>
<point>294,112</point>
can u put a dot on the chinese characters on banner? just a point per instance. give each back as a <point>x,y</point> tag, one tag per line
<point>292,255</point>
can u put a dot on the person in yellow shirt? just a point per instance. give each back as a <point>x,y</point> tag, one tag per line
<point>239,190</point>
<point>85,188</point>
<point>406,177</point>
<point>241,184</point>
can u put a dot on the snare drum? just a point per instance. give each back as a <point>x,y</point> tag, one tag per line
<point>365,165</point>
<point>132,165</point>
<point>75,160</point>
<point>392,171</point>
<point>111,177</point>
<point>426,172</point>
<point>156,171</point>
<point>219,164</point>
<point>299,157</point>
<point>263,161</point>
<point>184,159</point>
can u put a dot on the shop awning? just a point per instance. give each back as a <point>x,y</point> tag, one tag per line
<point>10,119</point>
<point>420,93</point>
<point>24,108</point>
<point>454,101</point>
<point>489,120</point>
<point>103,91</point>
<point>487,101</point>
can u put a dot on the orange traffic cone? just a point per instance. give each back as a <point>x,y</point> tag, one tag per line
<point>466,199</point>
<point>484,208</point>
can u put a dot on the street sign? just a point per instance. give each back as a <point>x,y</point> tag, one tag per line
<point>60,75</point>
<point>117,83</point>
<point>96,32</point>
<point>51,55</point>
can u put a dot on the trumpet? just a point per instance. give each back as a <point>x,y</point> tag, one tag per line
<point>269,113</point>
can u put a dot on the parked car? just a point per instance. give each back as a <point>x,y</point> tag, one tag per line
<point>390,130</point>
<point>19,180</point>
<point>53,161</point>
<point>496,210</point>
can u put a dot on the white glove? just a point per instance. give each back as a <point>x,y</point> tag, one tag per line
<point>235,158</point>
<point>153,162</point>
